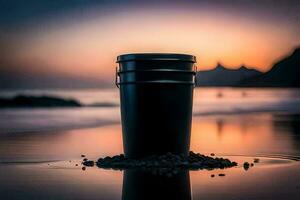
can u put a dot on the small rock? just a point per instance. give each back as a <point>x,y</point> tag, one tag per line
<point>107,158</point>
<point>246,165</point>
<point>89,163</point>
<point>251,164</point>
<point>76,164</point>
<point>212,175</point>
<point>212,154</point>
<point>221,174</point>
<point>82,156</point>
<point>83,168</point>
<point>163,164</point>
<point>85,159</point>
<point>256,160</point>
<point>122,156</point>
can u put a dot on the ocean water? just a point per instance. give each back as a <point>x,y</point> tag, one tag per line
<point>207,101</point>
<point>40,149</point>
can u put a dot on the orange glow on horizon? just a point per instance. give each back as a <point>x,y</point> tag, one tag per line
<point>88,48</point>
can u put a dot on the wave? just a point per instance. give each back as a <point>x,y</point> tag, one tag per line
<point>291,107</point>
<point>245,111</point>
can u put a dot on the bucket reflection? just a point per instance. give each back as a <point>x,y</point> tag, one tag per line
<point>139,184</point>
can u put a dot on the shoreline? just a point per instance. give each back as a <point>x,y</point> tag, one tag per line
<point>60,129</point>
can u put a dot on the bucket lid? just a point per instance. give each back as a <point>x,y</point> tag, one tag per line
<point>156,56</point>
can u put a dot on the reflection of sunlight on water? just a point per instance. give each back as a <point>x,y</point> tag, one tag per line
<point>62,145</point>
<point>245,134</point>
<point>231,135</point>
<point>250,134</point>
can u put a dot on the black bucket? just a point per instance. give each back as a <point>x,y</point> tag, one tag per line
<point>156,92</point>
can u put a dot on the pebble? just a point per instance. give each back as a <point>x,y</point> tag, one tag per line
<point>88,163</point>
<point>83,168</point>
<point>212,154</point>
<point>256,160</point>
<point>167,164</point>
<point>212,175</point>
<point>246,165</point>
<point>82,156</point>
<point>221,174</point>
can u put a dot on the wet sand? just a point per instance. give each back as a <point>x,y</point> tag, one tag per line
<point>43,165</point>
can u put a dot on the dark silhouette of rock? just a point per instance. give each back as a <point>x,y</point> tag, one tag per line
<point>221,76</point>
<point>284,73</point>
<point>37,101</point>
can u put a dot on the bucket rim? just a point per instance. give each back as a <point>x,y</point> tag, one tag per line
<point>156,56</point>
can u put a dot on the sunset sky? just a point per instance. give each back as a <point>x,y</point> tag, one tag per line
<point>59,42</point>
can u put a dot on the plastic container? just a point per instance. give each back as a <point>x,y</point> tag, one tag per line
<point>156,93</point>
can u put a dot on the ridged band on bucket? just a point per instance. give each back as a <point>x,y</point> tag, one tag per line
<point>156,56</point>
<point>154,68</point>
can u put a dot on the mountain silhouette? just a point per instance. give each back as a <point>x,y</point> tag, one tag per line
<point>284,73</point>
<point>221,76</point>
